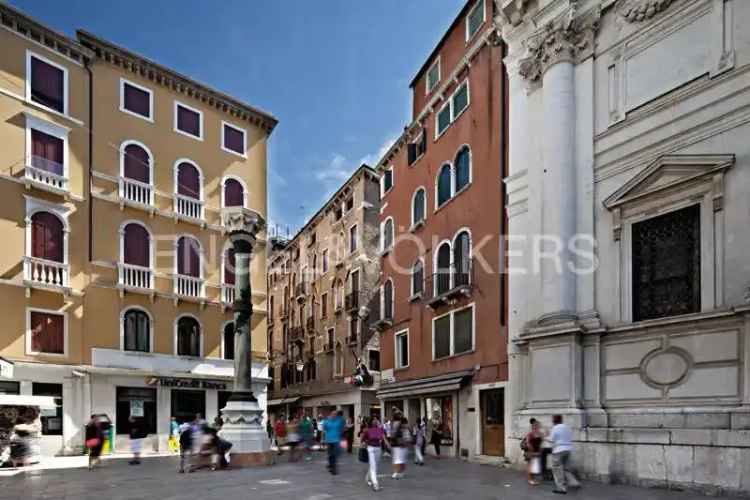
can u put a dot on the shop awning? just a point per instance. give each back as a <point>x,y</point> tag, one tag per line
<point>282,401</point>
<point>43,402</point>
<point>449,382</point>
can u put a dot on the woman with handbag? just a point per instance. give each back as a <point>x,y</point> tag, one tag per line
<point>94,440</point>
<point>533,451</point>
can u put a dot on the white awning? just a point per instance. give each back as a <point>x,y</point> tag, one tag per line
<point>43,402</point>
<point>283,401</point>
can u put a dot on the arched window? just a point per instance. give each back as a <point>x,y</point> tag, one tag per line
<point>188,337</point>
<point>136,329</point>
<point>47,237</point>
<point>228,339</point>
<point>443,269</point>
<point>188,180</point>
<point>229,267</point>
<point>136,245</point>
<point>462,258</point>
<point>388,300</point>
<point>463,168</point>
<point>444,185</point>
<point>418,203</point>
<point>234,193</point>
<point>417,278</point>
<point>188,257</point>
<point>136,164</point>
<point>386,237</point>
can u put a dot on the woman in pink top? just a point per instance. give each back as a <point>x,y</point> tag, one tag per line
<point>373,436</point>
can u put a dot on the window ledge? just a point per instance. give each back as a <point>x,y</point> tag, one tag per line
<point>457,193</point>
<point>41,107</point>
<point>418,225</point>
<point>417,159</point>
<point>452,356</point>
<point>137,115</point>
<point>401,368</point>
<point>415,297</point>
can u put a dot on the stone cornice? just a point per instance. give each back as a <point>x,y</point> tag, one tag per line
<point>568,38</point>
<point>635,11</point>
<point>129,61</point>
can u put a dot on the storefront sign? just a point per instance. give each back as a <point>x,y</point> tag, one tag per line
<point>136,408</point>
<point>187,383</point>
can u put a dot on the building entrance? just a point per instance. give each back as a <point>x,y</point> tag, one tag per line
<point>186,404</point>
<point>493,422</point>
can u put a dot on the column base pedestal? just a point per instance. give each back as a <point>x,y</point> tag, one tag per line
<point>243,428</point>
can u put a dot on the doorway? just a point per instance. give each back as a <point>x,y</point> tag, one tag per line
<point>493,422</point>
<point>186,404</point>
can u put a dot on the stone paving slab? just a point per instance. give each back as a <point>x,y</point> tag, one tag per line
<point>157,478</point>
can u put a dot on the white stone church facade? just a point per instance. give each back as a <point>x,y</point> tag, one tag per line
<point>630,123</point>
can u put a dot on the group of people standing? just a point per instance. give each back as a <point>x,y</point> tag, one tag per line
<point>557,444</point>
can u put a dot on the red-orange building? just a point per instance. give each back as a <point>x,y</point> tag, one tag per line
<point>442,307</point>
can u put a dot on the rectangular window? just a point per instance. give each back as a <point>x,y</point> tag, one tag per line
<point>474,20</point>
<point>233,139</point>
<point>349,203</point>
<point>136,100</point>
<point>337,214</point>
<point>324,305</point>
<point>433,77</point>
<point>443,119</point>
<point>387,180</point>
<point>374,361</point>
<point>442,336</point>
<point>10,387</point>
<point>460,100</point>
<point>453,333</point>
<point>47,152</point>
<point>325,260</point>
<point>667,265</point>
<point>52,420</point>
<point>188,121</point>
<point>330,339</point>
<point>140,403</point>
<point>46,333</point>
<point>353,239</point>
<point>48,83</point>
<point>402,349</point>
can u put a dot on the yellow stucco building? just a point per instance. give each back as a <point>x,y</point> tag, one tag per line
<point>115,275</point>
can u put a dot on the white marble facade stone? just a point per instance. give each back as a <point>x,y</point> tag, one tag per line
<point>622,110</point>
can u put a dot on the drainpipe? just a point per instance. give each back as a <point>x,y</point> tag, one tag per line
<point>91,160</point>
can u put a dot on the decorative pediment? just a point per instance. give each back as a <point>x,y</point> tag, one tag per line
<point>668,172</point>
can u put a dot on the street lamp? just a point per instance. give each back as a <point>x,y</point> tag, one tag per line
<point>243,415</point>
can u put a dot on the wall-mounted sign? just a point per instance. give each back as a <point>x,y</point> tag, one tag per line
<point>187,383</point>
<point>136,408</point>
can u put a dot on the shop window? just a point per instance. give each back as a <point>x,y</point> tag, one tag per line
<point>136,402</point>
<point>186,404</point>
<point>10,387</point>
<point>52,420</point>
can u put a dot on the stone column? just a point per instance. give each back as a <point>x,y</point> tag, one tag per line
<point>243,416</point>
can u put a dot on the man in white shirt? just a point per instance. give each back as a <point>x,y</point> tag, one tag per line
<point>562,446</point>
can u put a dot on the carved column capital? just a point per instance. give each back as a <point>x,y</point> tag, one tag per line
<point>567,39</point>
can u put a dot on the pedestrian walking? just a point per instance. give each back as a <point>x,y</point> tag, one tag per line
<point>532,448</point>
<point>436,433</point>
<point>293,438</point>
<point>562,441</point>
<point>374,438</point>
<point>320,422</point>
<point>94,440</point>
<point>186,445</point>
<point>279,429</point>
<point>349,434</point>
<point>306,433</point>
<point>419,441</point>
<point>400,440</point>
<point>333,428</point>
<point>138,433</point>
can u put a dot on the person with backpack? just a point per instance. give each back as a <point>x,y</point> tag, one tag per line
<point>400,439</point>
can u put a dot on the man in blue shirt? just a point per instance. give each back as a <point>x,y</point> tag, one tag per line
<point>333,428</point>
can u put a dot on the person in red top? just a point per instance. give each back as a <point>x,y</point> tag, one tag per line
<point>279,430</point>
<point>373,436</point>
<point>533,450</point>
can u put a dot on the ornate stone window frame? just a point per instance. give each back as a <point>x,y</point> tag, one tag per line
<point>670,183</point>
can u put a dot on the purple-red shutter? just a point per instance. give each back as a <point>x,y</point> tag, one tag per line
<point>229,266</point>
<point>233,193</point>
<point>47,333</point>
<point>188,121</point>
<point>136,163</point>
<point>136,246</point>
<point>47,237</point>
<point>138,101</point>
<point>47,152</point>
<point>188,257</point>
<point>188,181</point>
<point>234,139</point>
<point>47,85</point>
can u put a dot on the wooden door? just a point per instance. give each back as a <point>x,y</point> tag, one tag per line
<point>493,422</point>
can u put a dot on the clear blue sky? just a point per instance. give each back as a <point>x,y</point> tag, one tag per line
<point>334,72</point>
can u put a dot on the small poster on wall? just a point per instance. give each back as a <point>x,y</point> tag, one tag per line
<point>136,408</point>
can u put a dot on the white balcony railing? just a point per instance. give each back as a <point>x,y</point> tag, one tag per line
<point>227,294</point>
<point>132,276</point>
<point>136,191</point>
<point>45,272</point>
<point>43,172</point>
<point>188,286</point>
<point>188,207</point>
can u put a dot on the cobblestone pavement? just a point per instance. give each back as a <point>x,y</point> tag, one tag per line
<point>157,478</point>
